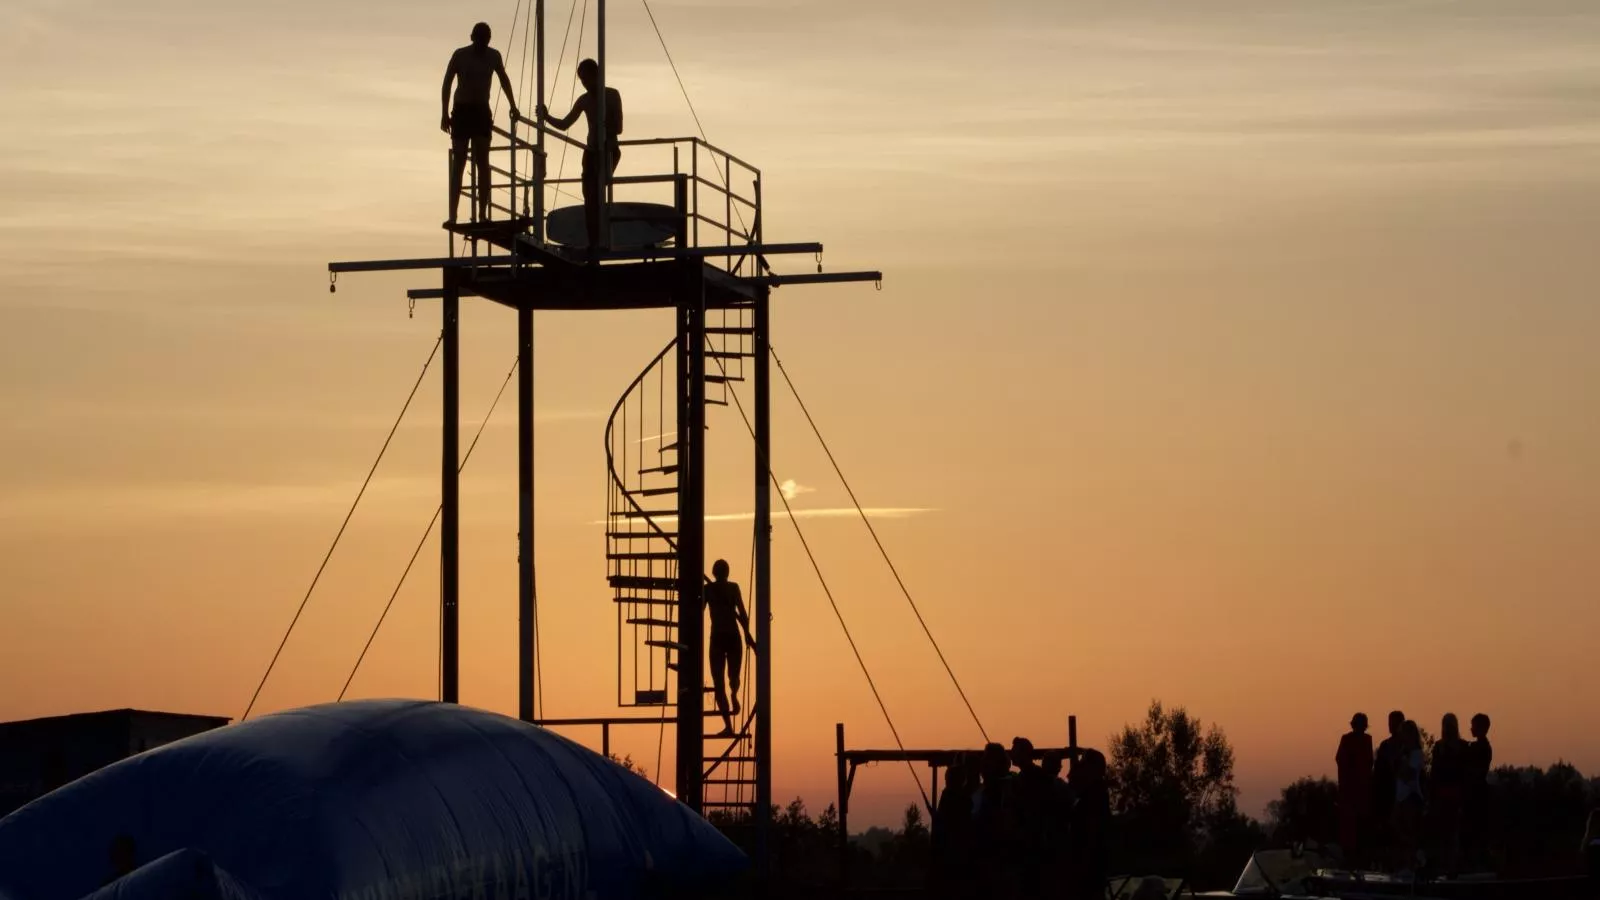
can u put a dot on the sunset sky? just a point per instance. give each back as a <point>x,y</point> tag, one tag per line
<point>1237,353</point>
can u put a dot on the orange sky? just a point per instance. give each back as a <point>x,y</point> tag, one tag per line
<point>1238,354</point>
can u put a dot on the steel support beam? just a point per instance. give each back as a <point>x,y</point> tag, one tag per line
<point>525,569</point>
<point>760,341</point>
<point>450,496</point>
<point>691,395</point>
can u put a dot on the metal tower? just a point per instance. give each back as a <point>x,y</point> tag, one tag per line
<point>681,229</point>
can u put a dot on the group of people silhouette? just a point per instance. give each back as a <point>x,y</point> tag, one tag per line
<point>470,124</point>
<point>1024,833</point>
<point>1401,809</point>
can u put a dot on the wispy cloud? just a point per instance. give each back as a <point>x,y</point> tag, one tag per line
<point>792,489</point>
<point>832,512</point>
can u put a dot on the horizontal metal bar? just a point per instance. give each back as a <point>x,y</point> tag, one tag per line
<point>608,720</point>
<point>436,262</point>
<point>816,278</point>
<point>702,252</point>
<point>942,757</point>
<point>436,293</point>
<point>724,190</point>
<point>558,135</point>
<point>641,142</point>
<point>718,225</point>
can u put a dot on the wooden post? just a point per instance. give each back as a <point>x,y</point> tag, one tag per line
<point>844,805</point>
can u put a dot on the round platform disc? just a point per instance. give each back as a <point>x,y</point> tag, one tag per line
<point>634,226</point>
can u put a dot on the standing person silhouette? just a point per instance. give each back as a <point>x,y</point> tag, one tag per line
<point>1384,764</point>
<point>729,622</point>
<point>472,67</point>
<point>1475,810</point>
<point>1354,759</point>
<point>593,153</point>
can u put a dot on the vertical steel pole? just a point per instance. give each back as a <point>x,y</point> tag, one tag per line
<point>538,149</point>
<point>599,135</point>
<point>691,388</point>
<point>450,493</point>
<point>761,324</point>
<point>525,562</point>
<point>844,805</point>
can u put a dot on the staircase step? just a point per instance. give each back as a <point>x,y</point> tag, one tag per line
<point>646,601</point>
<point>641,535</point>
<point>665,447</point>
<point>743,736</point>
<point>650,697</point>
<point>667,645</point>
<point>647,513</point>
<point>653,623</point>
<point>660,470</point>
<point>643,582</point>
<point>715,402</point>
<point>727,330</point>
<point>723,379</point>
<point>652,492</point>
<point>728,354</point>
<point>663,554</point>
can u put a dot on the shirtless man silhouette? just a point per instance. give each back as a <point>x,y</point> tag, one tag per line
<point>472,67</point>
<point>728,620</point>
<point>593,156</point>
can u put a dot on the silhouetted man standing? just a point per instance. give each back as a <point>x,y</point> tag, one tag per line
<point>472,67</point>
<point>1475,827</point>
<point>1385,764</point>
<point>594,154</point>
<point>729,622</point>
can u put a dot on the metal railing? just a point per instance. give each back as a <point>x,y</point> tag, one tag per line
<point>718,194</point>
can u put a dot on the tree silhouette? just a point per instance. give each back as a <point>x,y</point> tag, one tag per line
<point>1307,810</point>
<point>1171,786</point>
<point>627,763</point>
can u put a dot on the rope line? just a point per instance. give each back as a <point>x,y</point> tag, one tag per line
<point>881,549</point>
<point>724,177</point>
<point>347,516</point>
<point>828,592</point>
<point>583,20</point>
<point>425,534</point>
<point>511,41</point>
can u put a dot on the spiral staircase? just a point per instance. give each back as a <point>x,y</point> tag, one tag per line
<point>643,559</point>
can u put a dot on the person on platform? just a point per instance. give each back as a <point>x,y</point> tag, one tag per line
<point>1032,796</point>
<point>472,122</point>
<point>953,836</point>
<point>601,147</point>
<point>1448,785</point>
<point>1090,849</point>
<point>1384,763</point>
<point>1354,759</point>
<point>1409,803</point>
<point>729,622</point>
<point>1475,809</point>
<point>994,815</point>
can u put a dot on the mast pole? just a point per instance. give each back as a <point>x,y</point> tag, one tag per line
<point>525,461</point>
<point>598,136</point>
<point>538,127</point>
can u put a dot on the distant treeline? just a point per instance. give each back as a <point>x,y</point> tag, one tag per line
<point>1175,814</point>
